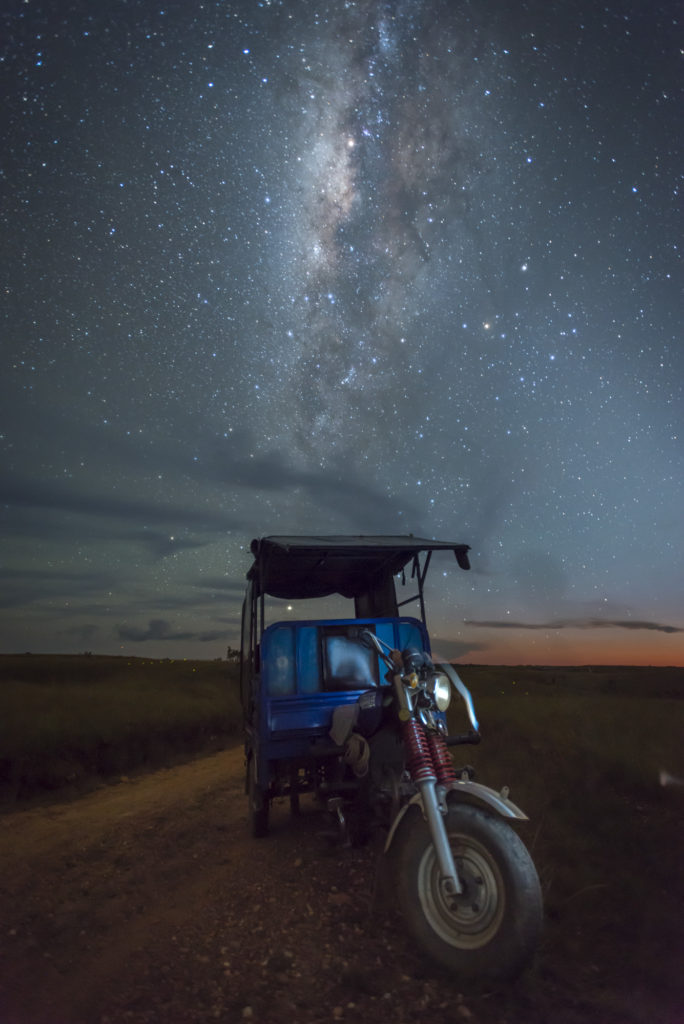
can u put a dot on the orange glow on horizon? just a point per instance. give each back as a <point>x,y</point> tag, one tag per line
<point>576,647</point>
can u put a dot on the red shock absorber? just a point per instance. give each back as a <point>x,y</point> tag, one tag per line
<point>418,756</point>
<point>441,759</point>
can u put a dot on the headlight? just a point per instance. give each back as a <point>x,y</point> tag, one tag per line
<point>440,687</point>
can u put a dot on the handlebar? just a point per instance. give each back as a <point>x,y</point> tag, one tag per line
<point>369,639</point>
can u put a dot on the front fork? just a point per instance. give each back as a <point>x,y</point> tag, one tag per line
<point>449,881</point>
<point>431,769</point>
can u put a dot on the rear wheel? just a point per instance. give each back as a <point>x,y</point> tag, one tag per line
<point>258,802</point>
<point>491,929</point>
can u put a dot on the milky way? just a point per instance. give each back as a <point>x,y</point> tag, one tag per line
<point>343,267</point>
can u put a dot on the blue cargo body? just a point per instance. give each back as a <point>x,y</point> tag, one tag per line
<point>311,667</point>
<point>295,673</point>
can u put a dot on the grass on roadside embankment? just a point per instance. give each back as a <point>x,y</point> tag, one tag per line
<point>582,750</point>
<point>606,727</point>
<point>65,719</point>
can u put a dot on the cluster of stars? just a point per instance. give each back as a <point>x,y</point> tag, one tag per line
<point>315,254</point>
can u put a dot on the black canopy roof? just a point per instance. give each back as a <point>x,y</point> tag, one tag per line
<point>303,567</point>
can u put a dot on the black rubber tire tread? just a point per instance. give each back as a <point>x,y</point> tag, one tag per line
<point>508,950</point>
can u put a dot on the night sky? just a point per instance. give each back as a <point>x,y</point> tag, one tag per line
<point>328,267</point>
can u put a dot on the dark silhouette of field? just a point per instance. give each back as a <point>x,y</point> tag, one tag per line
<point>125,903</point>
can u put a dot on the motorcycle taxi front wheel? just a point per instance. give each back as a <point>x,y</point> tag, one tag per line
<point>489,931</point>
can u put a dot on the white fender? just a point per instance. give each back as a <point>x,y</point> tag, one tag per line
<point>467,792</point>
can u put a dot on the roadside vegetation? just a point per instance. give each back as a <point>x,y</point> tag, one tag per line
<point>608,725</point>
<point>69,718</point>
<point>73,719</point>
<point>582,751</point>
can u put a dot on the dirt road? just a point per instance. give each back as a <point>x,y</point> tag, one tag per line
<point>148,902</point>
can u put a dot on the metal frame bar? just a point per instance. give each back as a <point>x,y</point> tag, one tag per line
<point>419,574</point>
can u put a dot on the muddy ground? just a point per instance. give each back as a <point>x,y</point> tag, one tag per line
<point>148,902</point>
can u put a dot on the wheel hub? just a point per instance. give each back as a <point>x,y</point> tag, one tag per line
<point>470,918</point>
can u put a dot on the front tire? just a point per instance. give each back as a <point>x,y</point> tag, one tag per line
<point>490,931</point>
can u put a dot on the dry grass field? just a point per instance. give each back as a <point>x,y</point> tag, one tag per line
<point>582,750</point>
<point>69,719</point>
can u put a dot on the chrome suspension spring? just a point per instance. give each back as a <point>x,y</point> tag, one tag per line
<point>418,755</point>
<point>441,759</point>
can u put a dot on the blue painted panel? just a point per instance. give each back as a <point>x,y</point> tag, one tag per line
<point>291,651</point>
<point>308,660</point>
<point>306,714</point>
<point>278,661</point>
<point>385,631</point>
<point>295,712</point>
<point>410,634</point>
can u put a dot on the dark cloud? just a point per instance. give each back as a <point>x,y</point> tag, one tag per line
<point>363,307</point>
<point>160,629</point>
<point>224,585</point>
<point>87,595</point>
<point>83,635</point>
<point>453,650</point>
<point>659,627</point>
<point>76,528</point>
<point>340,488</point>
<point>20,587</point>
<point>160,544</point>
<point>100,512</point>
<point>68,496</point>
